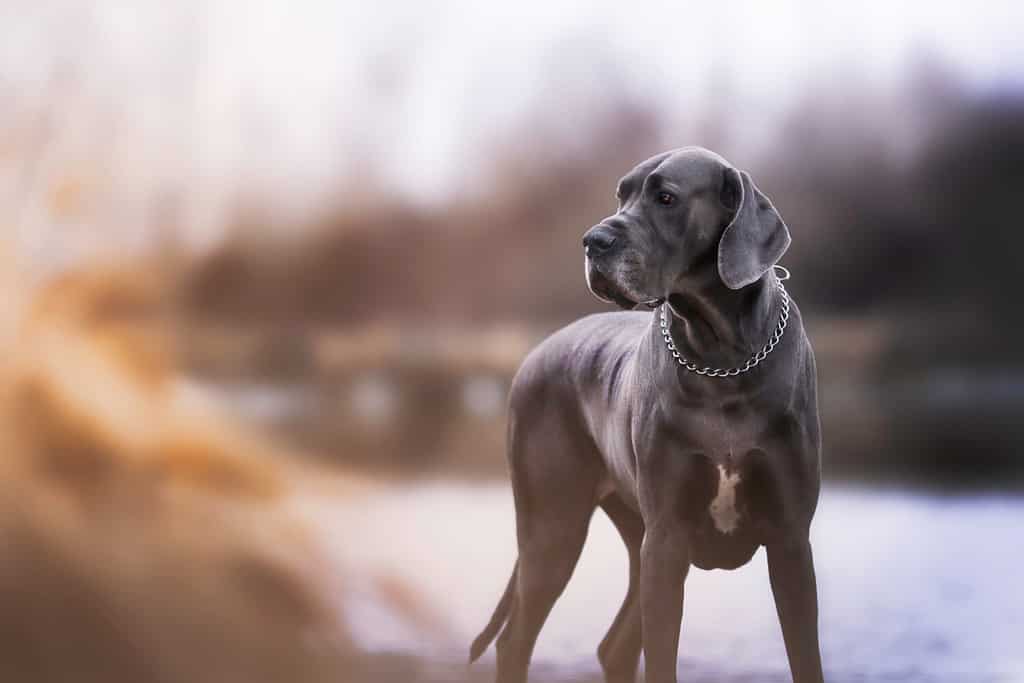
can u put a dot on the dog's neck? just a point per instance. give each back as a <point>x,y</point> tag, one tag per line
<point>715,326</point>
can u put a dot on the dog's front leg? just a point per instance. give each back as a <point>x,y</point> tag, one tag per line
<point>664,563</point>
<point>791,571</point>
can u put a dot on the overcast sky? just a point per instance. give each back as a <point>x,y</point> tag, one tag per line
<point>287,99</point>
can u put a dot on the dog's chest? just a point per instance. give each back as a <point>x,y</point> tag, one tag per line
<point>728,494</point>
<point>737,485</point>
<point>738,477</point>
<point>723,510</point>
<point>733,505</point>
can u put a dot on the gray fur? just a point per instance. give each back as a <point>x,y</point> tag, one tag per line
<point>601,415</point>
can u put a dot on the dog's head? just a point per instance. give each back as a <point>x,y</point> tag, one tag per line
<point>683,216</point>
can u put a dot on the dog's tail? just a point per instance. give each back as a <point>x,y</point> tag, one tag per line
<point>498,619</point>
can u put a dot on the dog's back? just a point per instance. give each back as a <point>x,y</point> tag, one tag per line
<point>569,363</point>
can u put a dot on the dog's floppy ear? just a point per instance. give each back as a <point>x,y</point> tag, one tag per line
<point>756,238</point>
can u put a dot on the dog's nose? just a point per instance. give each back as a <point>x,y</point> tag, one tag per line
<point>598,240</point>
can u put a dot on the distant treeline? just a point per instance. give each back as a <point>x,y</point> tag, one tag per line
<point>913,215</point>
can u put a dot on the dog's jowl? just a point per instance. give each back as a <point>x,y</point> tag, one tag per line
<point>693,426</point>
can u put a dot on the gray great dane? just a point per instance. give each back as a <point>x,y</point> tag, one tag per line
<point>695,429</point>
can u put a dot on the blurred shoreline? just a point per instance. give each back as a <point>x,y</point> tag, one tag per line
<point>431,401</point>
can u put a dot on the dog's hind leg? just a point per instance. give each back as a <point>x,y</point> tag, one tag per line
<point>555,495</point>
<point>619,652</point>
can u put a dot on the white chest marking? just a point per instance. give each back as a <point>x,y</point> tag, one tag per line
<point>723,507</point>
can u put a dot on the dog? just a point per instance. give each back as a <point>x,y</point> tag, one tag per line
<point>694,428</point>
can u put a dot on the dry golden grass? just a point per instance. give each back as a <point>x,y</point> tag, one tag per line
<point>144,536</point>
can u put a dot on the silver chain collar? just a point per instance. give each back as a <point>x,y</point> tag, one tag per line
<point>753,361</point>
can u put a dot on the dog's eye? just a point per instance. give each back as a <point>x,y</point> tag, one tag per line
<point>666,199</point>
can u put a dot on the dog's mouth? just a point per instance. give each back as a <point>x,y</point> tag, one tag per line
<point>603,288</point>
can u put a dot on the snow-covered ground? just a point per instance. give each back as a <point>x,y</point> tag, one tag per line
<point>914,587</point>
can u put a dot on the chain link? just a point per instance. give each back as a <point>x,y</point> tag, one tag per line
<point>751,362</point>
